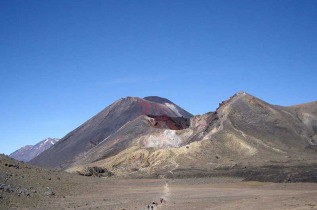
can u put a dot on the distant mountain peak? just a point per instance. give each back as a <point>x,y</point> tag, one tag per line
<point>29,152</point>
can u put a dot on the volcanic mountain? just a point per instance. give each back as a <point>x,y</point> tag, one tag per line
<point>244,133</point>
<point>29,152</point>
<point>154,137</point>
<point>107,123</point>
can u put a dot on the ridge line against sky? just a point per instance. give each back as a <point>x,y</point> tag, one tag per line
<point>61,62</point>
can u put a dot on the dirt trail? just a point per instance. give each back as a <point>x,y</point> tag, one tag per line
<point>166,193</point>
<point>176,164</point>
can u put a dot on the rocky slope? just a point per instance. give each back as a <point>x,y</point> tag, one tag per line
<point>29,152</point>
<point>77,143</point>
<point>23,186</point>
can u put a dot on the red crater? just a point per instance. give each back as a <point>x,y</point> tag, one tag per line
<point>173,123</point>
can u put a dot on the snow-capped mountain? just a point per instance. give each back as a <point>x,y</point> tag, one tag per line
<point>29,152</point>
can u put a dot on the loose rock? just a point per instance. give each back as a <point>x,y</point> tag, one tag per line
<point>49,192</point>
<point>24,192</point>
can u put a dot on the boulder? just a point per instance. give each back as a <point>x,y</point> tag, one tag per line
<point>49,192</point>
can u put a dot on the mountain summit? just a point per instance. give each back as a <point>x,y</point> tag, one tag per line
<point>173,107</point>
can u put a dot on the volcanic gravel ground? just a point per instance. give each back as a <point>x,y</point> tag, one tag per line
<point>25,187</point>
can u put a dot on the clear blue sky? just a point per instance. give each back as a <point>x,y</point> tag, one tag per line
<point>61,62</point>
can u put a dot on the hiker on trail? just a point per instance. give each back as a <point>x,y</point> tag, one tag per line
<point>148,207</point>
<point>152,207</point>
<point>161,200</point>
